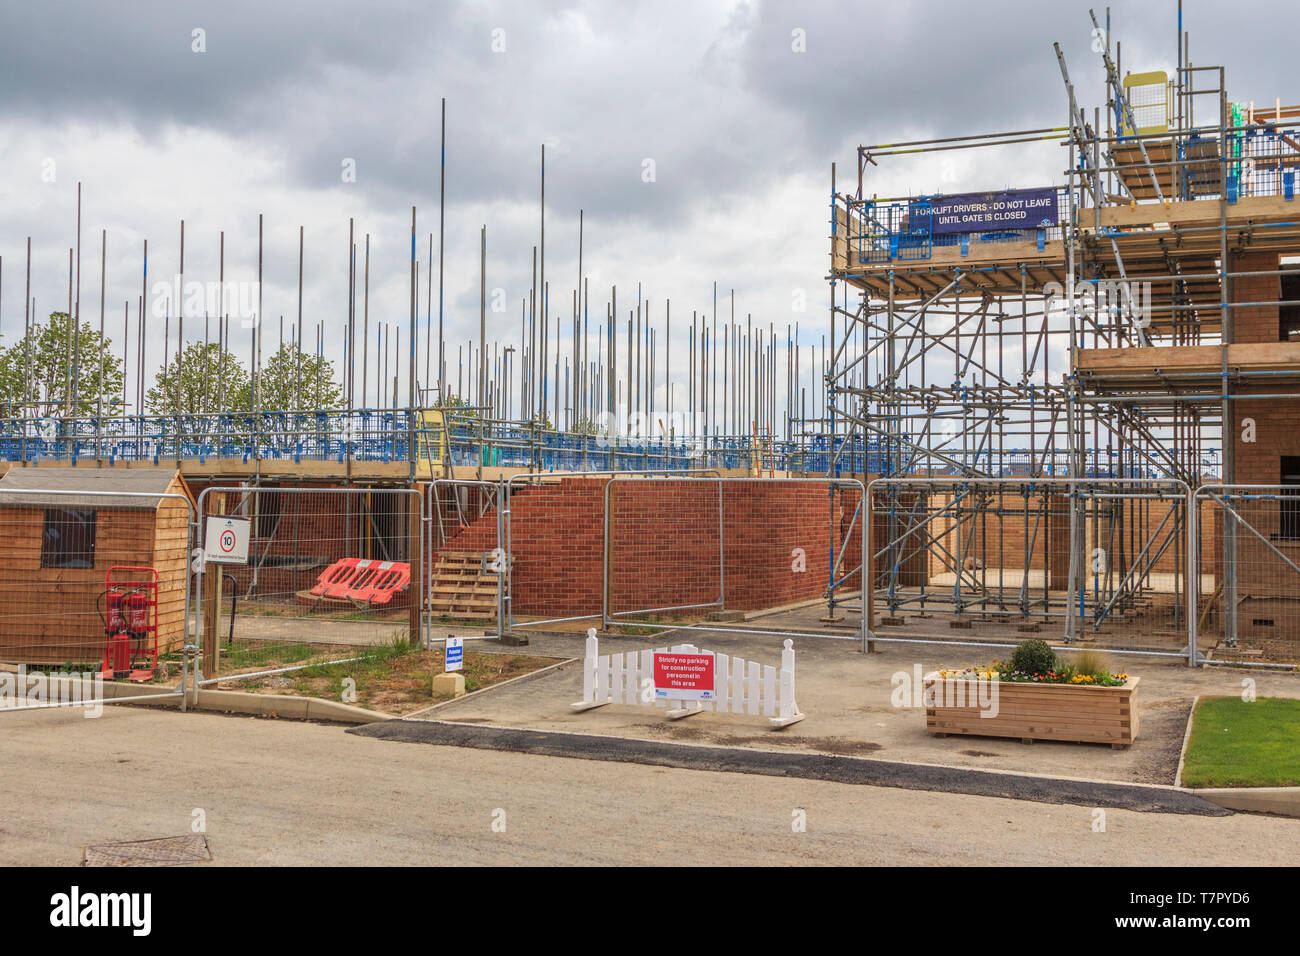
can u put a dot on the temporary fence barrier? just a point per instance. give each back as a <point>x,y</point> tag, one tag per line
<point>1098,561</point>
<point>1248,595</point>
<point>332,574</point>
<point>737,686</point>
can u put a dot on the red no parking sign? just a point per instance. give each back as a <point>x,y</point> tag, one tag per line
<point>684,676</point>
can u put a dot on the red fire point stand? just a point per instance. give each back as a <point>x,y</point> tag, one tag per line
<point>130,614</point>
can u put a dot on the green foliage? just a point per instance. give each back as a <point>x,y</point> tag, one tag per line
<point>585,427</point>
<point>456,405</point>
<point>37,371</point>
<point>297,381</point>
<point>1033,657</point>
<point>204,378</point>
<point>288,381</point>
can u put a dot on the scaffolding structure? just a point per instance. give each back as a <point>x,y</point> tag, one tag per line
<point>1102,343</point>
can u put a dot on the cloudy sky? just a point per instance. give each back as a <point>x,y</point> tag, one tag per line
<point>214,113</point>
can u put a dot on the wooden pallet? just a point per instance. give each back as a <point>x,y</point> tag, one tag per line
<point>461,588</point>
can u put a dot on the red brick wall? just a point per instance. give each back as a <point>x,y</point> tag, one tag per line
<point>892,517</point>
<point>1277,421</point>
<point>664,544</point>
<point>1277,433</point>
<point>765,523</point>
<point>1255,323</point>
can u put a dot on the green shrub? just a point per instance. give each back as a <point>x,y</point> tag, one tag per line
<point>1033,657</point>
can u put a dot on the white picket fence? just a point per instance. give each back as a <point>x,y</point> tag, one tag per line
<point>741,686</point>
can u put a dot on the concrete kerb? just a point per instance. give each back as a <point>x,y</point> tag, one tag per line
<point>1279,801</point>
<point>286,706</point>
<point>1187,735</point>
<point>240,702</point>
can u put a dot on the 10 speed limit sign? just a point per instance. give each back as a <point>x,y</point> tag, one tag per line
<point>225,540</point>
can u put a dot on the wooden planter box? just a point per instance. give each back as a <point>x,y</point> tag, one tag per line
<point>1096,715</point>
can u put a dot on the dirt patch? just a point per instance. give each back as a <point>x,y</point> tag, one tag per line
<point>395,682</point>
<point>1160,740</point>
<point>840,746</point>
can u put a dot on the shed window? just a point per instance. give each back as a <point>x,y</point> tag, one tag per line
<point>69,538</point>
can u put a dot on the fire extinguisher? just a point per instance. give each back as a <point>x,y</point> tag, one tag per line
<point>117,651</point>
<point>113,620</point>
<point>137,613</point>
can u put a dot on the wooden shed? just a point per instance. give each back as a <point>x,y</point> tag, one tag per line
<point>57,543</point>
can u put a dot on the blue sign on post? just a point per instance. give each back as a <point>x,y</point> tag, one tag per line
<point>991,212</point>
<point>454,654</point>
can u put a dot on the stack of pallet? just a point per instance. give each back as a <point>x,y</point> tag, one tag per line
<point>462,587</point>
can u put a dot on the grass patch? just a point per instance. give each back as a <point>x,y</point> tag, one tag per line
<point>397,677</point>
<point>320,611</point>
<point>1240,744</point>
<point>265,655</point>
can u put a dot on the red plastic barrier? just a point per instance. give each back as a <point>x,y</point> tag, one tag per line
<point>334,580</point>
<point>363,580</point>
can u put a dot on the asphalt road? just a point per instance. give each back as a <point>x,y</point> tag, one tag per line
<point>809,766</point>
<point>280,792</point>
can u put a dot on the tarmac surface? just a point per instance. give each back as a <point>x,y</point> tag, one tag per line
<point>276,792</point>
<point>850,701</point>
<point>809,766</point>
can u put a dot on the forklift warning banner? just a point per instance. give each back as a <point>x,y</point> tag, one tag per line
<point>991,212</point>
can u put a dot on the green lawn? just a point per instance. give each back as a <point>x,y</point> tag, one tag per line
<point>1240,744</point>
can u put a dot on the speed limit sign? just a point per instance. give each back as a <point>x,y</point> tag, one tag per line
<point>225,540</point>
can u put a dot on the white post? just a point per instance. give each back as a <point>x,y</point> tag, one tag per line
<point>787,708</point>
<point>590,666</point>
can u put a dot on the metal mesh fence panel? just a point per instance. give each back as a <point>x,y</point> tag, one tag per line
<point>467,563</point>
<point>765,555</point>
<point>1001,560</point>
<point>1248,606</point>
<point>330,572</point>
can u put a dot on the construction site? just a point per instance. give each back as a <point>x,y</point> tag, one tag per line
<point>1064,408</point>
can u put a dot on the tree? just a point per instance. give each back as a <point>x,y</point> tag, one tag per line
<point>297,381</point>
<point>38,374</point>
<point>204,378</point>
<point>455,405</point>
